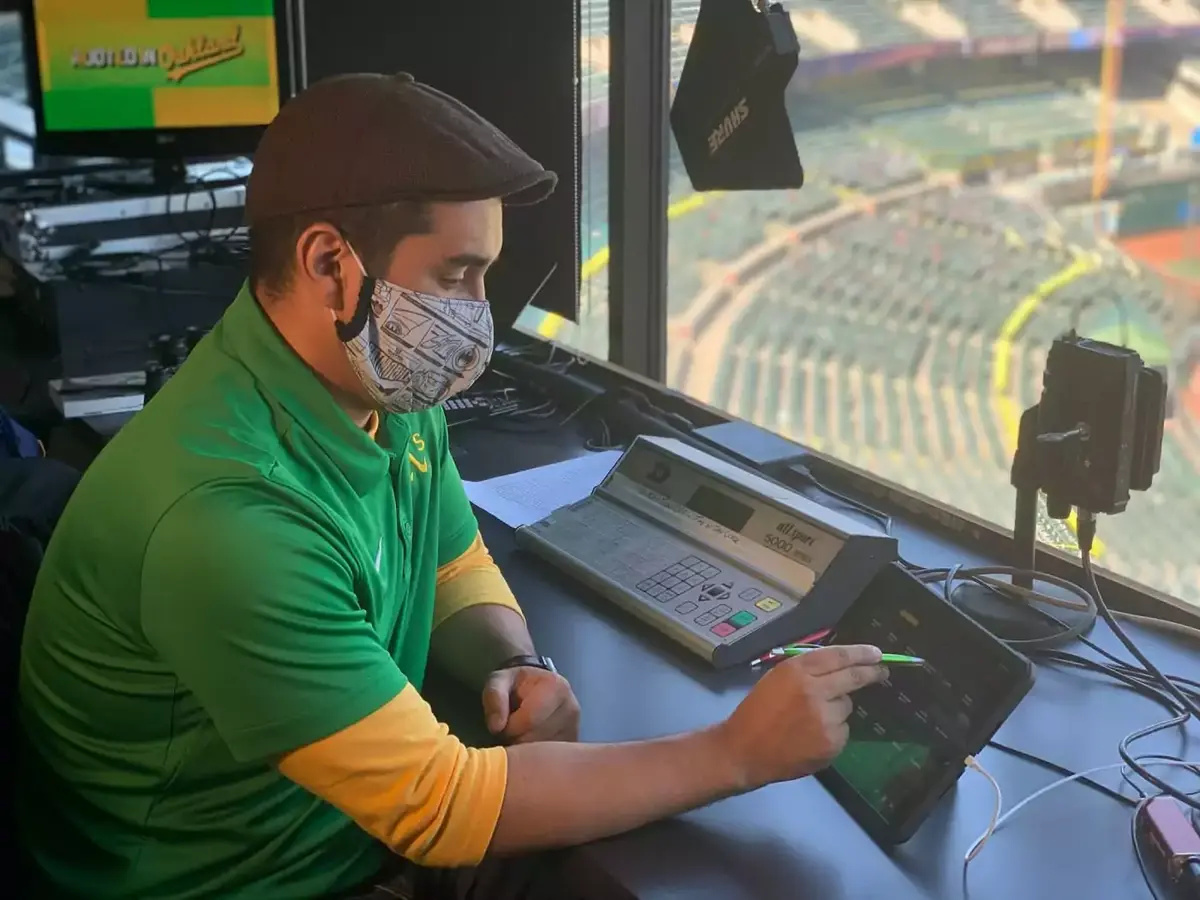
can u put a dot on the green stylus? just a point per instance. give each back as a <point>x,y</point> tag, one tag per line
<point>889,659</point>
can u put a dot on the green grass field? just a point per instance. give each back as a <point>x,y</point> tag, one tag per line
<point>1188,267</point>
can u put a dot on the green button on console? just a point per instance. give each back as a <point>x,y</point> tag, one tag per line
<point>741,619</point>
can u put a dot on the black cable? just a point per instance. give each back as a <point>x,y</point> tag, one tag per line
<point>803,472</point>
<point>882,519</point>
<point>202,246</point>
<point>1190,708</point>
<point>1142,683</point>
<point>1062,771</point>
<point>1062,635</point>
<point>1191,878</point>
<point>673,419</point>
<point>1131,677</point>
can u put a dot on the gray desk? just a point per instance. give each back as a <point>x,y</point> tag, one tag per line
<point>791,840</point>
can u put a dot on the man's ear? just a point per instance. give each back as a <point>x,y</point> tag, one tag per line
<point>326,263</point>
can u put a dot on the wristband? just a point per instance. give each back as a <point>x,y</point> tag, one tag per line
<point>529,662</point>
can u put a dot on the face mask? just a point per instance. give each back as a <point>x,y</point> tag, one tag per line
<point>413,351</point>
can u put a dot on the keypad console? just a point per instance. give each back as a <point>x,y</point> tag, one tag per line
<point>698,572</point>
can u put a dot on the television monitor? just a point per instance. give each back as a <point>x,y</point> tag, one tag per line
<point>155,79</point>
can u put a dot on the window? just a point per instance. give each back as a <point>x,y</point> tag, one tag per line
<point>896,312</point>
<point>590,333</point>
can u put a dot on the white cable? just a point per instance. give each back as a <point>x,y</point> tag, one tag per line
<point>998,822</point>
<point>973,763</point>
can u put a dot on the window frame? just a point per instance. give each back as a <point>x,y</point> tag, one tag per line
<point>639,148</point>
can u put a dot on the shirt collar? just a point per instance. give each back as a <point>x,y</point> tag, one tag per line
<point>252,338</point>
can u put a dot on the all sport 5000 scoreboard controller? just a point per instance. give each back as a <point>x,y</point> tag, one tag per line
<point>721,560</point>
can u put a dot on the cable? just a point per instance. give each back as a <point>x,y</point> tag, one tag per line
<point>204,245</point>
<point>1178,695</point>
<point>973,763</point>
<point>1192,874</point>
<point>882,519</point>
<point>1190,708</point>
<point>999,823</point>
<point>1177,628</point>
<point>985,577</point>
<point>1063,772</point>
<point>1042,648</point>
<point>1143,683</point>
<point>1136,679</point>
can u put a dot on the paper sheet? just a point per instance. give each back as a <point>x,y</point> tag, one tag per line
<point>523,498</point>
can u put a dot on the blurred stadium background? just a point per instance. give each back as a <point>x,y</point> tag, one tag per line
<point>896,312</point>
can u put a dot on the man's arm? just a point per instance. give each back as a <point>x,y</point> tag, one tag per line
<point>477,623</point>
<point>562,794</point>
<point>415,787</point>
<point>791,724</point>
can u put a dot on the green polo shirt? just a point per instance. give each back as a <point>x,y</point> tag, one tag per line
<point>243,571</point>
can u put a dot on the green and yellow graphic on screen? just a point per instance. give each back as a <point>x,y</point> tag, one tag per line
<point>145,64</point>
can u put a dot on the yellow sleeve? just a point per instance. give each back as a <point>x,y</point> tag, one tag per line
<point>473,579</point>
<point>408,782</point>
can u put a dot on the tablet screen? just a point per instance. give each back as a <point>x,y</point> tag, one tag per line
<point>909,737</point>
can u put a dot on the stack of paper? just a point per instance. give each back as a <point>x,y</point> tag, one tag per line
<point>523,498</point>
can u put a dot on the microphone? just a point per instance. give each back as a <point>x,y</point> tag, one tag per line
<point>729,115</point>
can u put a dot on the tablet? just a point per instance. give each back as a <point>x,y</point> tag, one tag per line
<point>909,738</point>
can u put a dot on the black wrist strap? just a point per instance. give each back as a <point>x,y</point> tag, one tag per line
<point>531,662</point>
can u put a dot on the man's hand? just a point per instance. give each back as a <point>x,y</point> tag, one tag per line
<point>794,722</point>
<point>527,704</point>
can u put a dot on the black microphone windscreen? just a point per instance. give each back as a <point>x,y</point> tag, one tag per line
<point>729,114</point>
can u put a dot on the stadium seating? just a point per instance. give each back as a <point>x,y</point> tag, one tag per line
<point>840,156</point>
<point>991,18</point>
<point>975,126</point>
<point>874,21</point>
<point>876,343</point>
<point>899,304</point>
<point>1094,13</point>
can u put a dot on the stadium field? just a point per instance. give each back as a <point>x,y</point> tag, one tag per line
<point>1185,269</point>
<point>1175,255</point>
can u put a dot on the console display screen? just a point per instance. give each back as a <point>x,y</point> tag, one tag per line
<point>910,736</point>
<point>889,761</point>
<point>720,508</point>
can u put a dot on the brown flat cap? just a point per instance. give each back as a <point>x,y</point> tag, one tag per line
<point>361,140</point>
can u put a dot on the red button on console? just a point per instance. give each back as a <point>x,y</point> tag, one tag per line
<point>723,629</point>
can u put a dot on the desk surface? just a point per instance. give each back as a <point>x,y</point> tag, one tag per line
<point>792,840</point>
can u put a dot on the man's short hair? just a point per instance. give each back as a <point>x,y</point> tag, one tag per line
<point>373,231</point>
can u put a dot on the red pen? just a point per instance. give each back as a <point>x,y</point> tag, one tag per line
<point>814,638</point>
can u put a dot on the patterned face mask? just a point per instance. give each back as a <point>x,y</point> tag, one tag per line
<point>413,351</point>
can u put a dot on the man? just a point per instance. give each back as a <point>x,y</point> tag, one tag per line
<point>223,658</point>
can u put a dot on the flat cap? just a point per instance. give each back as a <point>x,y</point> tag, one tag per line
<point>363,140</point>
